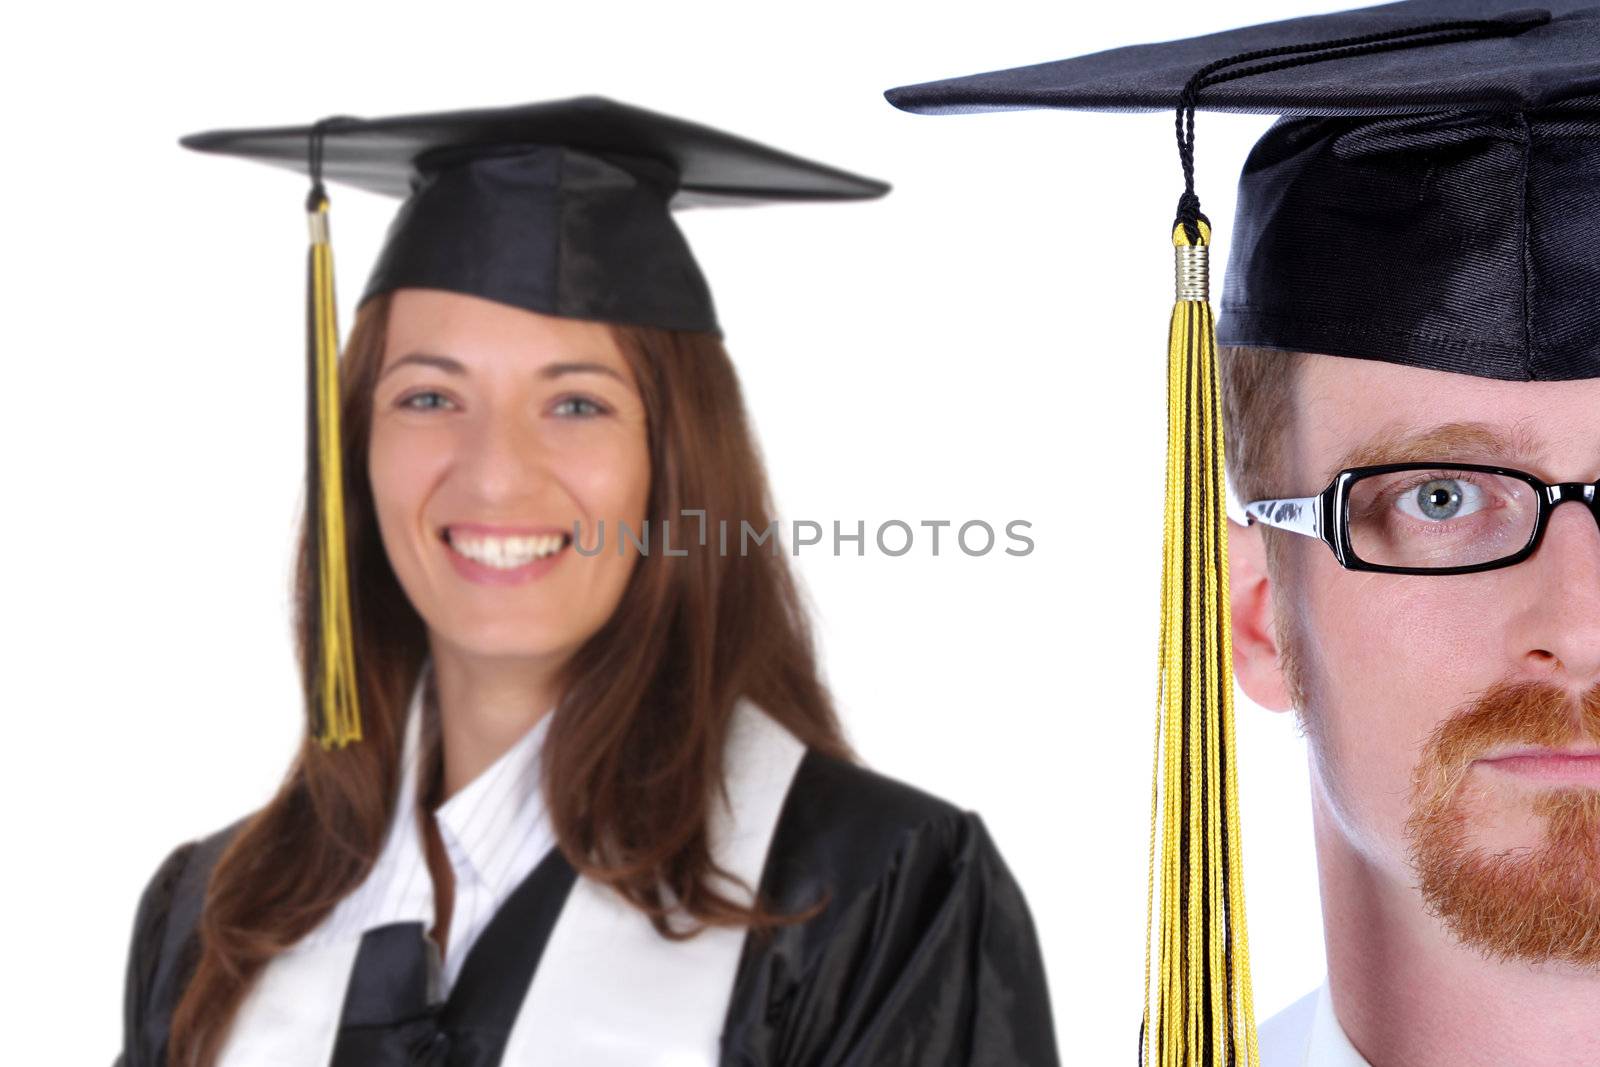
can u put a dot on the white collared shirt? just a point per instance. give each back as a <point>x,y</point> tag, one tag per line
<point>495,831</point>
<point>609,990</point>
<point>1307,1034</point>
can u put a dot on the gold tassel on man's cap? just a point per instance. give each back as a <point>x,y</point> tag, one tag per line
<point>1202,1011</point>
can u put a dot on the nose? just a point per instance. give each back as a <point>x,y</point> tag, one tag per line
<point>1562,633</point>
<point>503,458</point>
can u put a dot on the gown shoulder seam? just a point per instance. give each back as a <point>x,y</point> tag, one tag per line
<point>150,948</point>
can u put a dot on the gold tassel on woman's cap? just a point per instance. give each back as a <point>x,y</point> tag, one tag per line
<point>335,710</point>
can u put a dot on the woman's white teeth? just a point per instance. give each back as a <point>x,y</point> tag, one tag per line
<point>507,552</point>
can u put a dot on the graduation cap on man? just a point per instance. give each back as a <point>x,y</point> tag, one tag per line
<point>1451,143</point>
<point>562,207</point>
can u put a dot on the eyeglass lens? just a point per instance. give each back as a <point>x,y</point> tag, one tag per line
<point>1440,517</point>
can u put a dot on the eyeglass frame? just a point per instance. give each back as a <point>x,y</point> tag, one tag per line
<point>1326,516</point>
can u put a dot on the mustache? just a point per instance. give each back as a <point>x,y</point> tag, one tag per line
<point>1535,904</point>
<point>1505,714</point>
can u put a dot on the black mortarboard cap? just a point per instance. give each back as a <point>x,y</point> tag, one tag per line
<point>561,207</point>
<point>1427,198</point>
<point>1429,206</point>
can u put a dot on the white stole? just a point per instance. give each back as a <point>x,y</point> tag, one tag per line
<point>609,990</point>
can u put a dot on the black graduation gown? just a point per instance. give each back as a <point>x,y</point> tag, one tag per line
<point>926,954</point>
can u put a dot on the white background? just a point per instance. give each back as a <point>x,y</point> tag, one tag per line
<point>987,342</point>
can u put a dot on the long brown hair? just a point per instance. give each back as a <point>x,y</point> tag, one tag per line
<point>633,759</point>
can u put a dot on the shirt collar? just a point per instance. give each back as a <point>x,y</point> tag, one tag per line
<point>503,806</point>
<point>1328,1045</point>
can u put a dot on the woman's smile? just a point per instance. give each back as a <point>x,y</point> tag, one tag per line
<point>500,555</point>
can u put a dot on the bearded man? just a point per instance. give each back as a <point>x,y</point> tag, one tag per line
<point>1407,363</point>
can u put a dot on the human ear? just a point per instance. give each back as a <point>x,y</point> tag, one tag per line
<point>1255,644</point>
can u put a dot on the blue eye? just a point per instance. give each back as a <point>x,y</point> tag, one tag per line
<point>580,406</point>
<point>407,401</point>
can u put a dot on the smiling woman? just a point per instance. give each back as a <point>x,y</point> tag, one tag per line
<point>596,808</point>
<point>481,464</point>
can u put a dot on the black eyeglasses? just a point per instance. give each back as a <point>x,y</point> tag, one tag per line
<point>1427,518</point>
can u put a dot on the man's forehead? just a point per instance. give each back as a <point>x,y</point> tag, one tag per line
<point>1358,412</point>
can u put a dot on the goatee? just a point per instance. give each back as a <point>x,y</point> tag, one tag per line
<point>1537,902</point>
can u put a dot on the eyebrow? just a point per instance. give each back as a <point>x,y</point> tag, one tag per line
<point>1447,441</point>
<point>454,366</point>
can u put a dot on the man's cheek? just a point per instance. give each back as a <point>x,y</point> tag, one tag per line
<point>1382,702</point>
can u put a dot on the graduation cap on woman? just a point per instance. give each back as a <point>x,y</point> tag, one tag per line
<point>1427,198</point>
<point>561,207</point>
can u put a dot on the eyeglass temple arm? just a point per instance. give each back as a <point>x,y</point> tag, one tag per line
<point>1301,514</point>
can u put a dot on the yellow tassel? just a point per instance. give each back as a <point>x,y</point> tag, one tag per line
<point>337,710</point>
<point>1202,1013</point>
